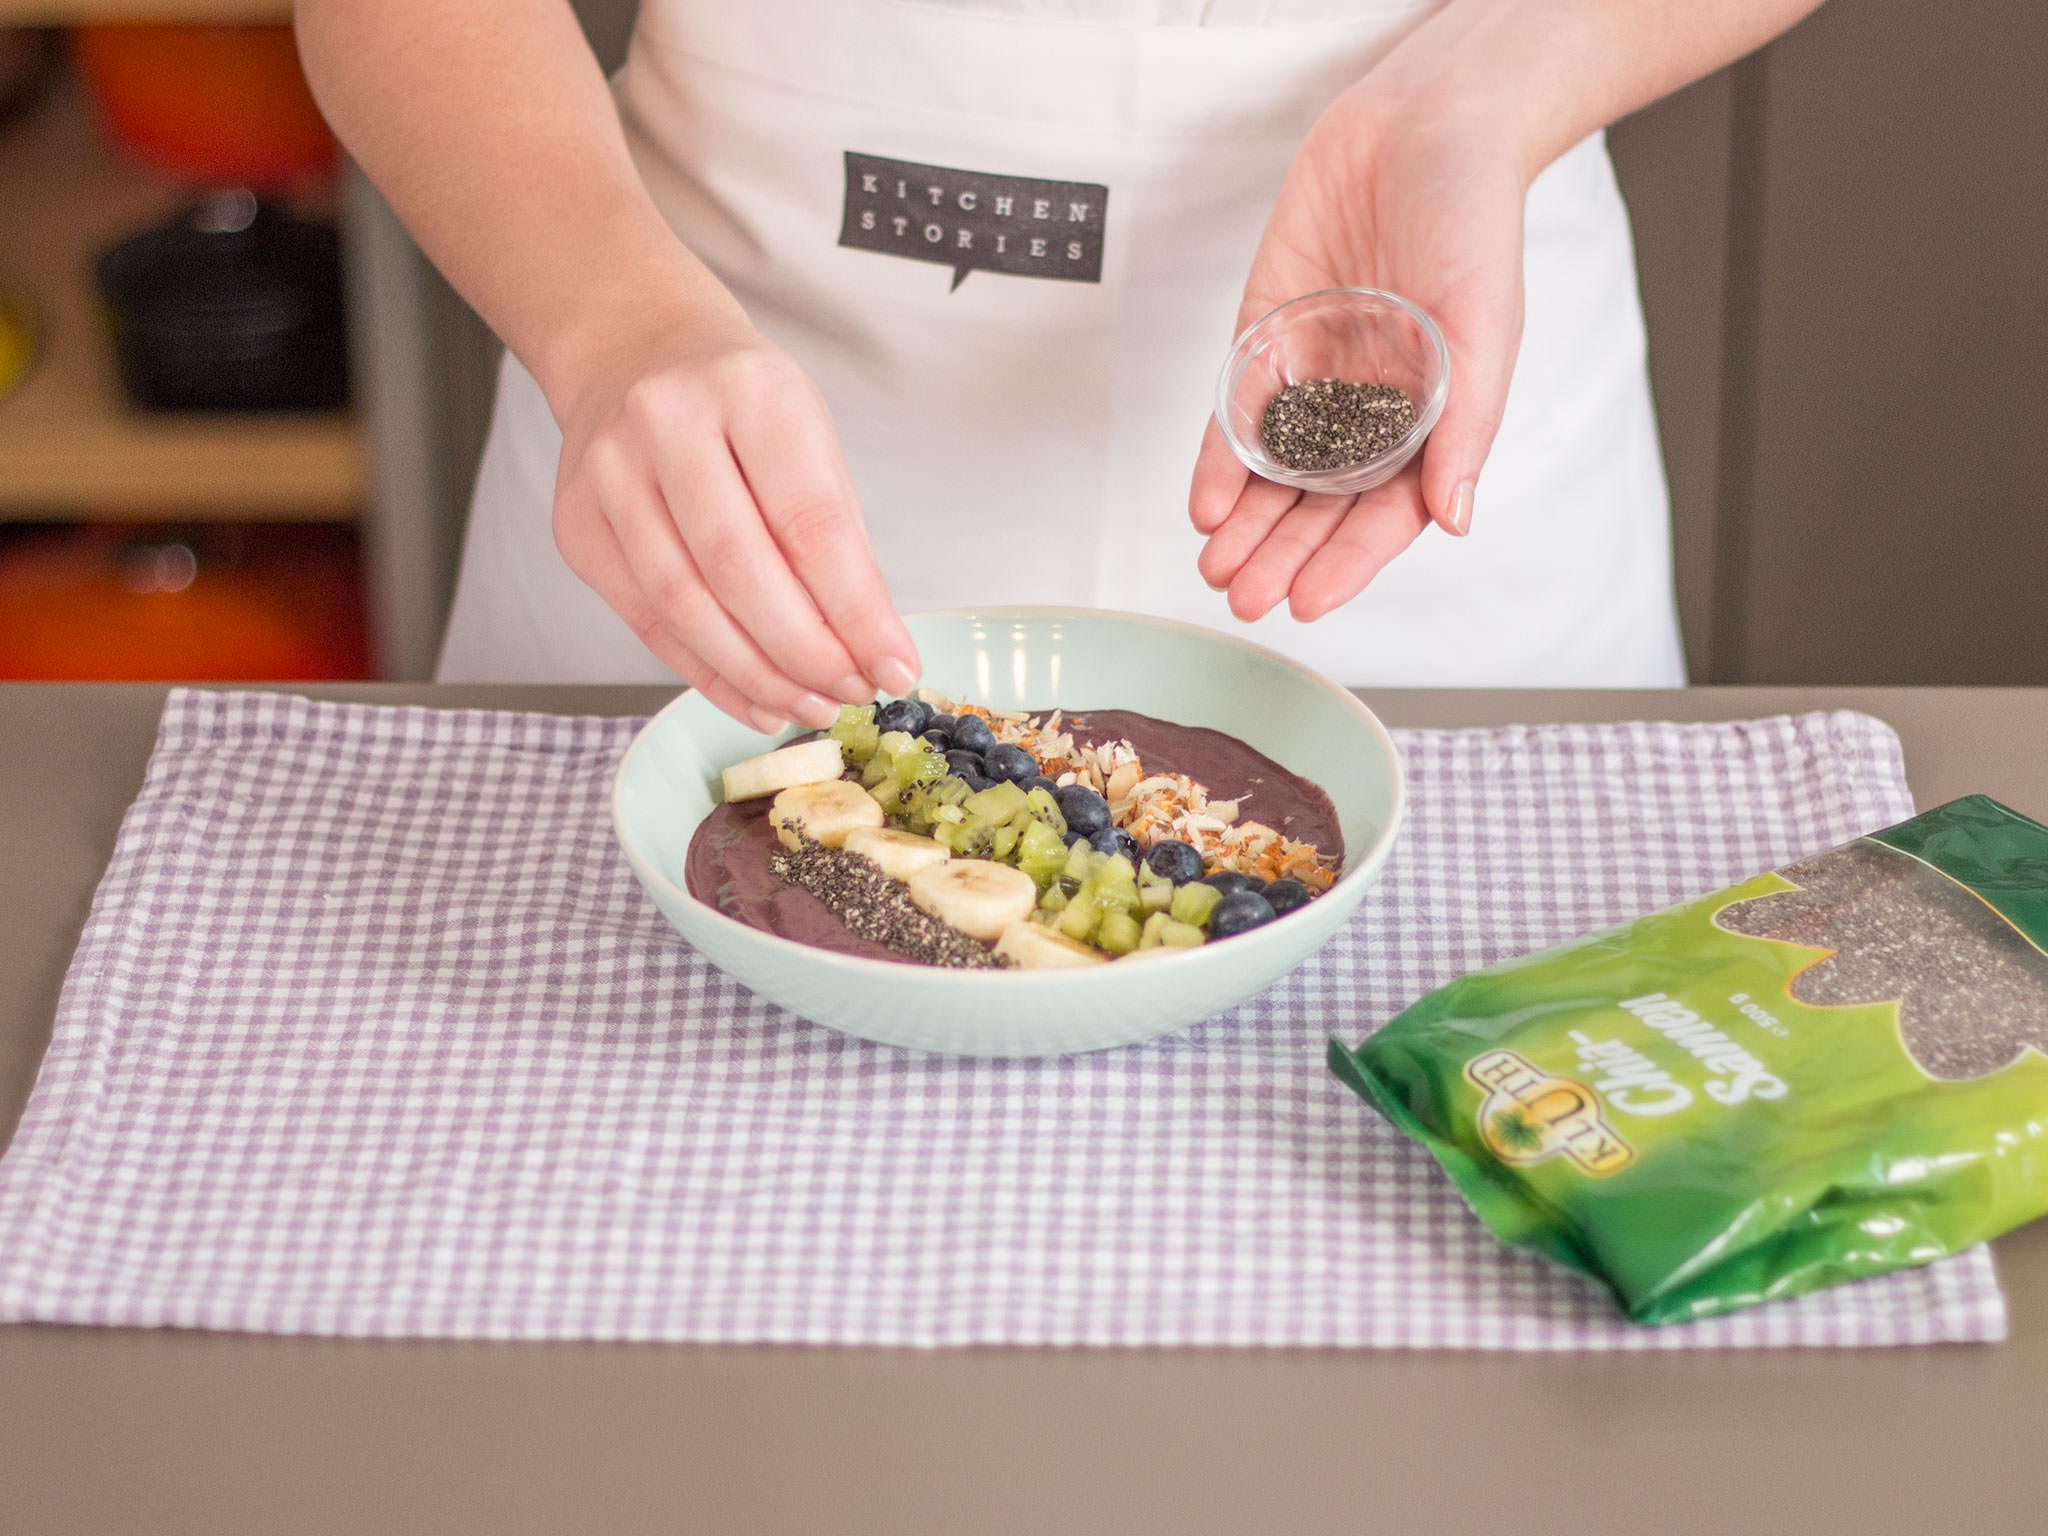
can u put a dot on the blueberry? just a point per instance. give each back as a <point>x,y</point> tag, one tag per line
<point>1237,912</point>
<point>972,734</point>
<point>1283,896</point>
<point>908,715</point>
<point>1009,764</point>
<point>1074,837</point>
<point>975,782</point>
<point>1086,811</point>
<point>1114,840</point>
<point>1254,883</point>
<point>1176,860</point>
<point>1042,782</point>
<point>964,763</point>
<point>940,723</point>
<point>937,740</point>
<point>1228,881</point>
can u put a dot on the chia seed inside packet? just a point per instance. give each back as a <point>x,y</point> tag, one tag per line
<point>1831,1070</point>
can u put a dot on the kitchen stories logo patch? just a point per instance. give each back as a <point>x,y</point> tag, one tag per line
<point>974,221</point>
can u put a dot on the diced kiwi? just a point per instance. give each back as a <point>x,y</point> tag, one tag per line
<point>1112,886</point>
<point>996,804</point>
<point>1193,902</point>
<point>969,839</point>
<point>1081,861</point>
<point>1118,898</point>
<point>1118,933</point>
<point>1155,898</point>
<point>1040,852</point>
<point>1054,900</point>
<point>1046,809</point>
<point>1005,840</point>
<point>916,766</point>
<point>1149,935</point>
<point>1180,935</point>
<point>855,732</point>
<point>1080,917</point>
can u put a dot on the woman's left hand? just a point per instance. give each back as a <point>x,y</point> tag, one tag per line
<point>1422,194</point>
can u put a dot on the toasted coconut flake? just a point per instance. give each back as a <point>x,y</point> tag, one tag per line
<point>1152,806</point>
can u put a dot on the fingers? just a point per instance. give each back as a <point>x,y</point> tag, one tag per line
<point>1457,448</point>
<point>791,462</point>
<point>593,552</point>
<point>671,605</point>
<point>722,529</point>
<point>1377,529</point>
<point>1257,512</point>
<point>1314,552</point>
<point>1220,479</point>
<point>1269,572</point>
<point>713,511</point>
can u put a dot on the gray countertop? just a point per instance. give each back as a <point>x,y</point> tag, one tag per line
<point>116,1431</point>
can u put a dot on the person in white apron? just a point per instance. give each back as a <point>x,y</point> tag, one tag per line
<point>1001,247</point>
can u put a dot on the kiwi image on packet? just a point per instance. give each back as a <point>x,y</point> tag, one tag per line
<point>1831,1070</point>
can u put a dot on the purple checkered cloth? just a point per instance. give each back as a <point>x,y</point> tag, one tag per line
<point>371,1032</point>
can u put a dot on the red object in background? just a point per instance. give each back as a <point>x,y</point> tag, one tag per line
<point>226,105</point>
<point>220,604</point>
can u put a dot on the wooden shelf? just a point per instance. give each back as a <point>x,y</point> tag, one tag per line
<point>70,444</point>
<point>68,13</point>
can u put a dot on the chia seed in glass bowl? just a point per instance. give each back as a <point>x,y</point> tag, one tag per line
<point>1335,391</point>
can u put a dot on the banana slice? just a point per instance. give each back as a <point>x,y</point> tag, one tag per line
<point>979,897</point>
<point>808,762</point>
<point>826,813</point>
<point>900,854</point>
<point>1033,947</point>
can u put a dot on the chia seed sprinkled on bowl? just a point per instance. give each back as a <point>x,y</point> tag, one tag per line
<point>877,907</point>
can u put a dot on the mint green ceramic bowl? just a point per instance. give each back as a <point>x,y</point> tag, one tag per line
<point>1036,659</point>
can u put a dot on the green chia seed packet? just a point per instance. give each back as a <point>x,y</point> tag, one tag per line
<point>1832,1070</point>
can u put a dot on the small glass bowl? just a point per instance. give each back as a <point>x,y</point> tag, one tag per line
<point>1362,335</point>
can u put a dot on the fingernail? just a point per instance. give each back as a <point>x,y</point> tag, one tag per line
<point>894,674</point>
<point>854,690</point>
<point>766,723</point>
<point>816,710</point>
<point>1461,509</point>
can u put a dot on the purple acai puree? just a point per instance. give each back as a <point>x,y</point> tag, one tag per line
<point>728,863</point>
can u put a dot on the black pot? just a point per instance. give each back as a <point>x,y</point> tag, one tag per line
<point>232,306</point>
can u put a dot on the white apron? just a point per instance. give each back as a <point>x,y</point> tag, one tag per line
<point>867,176</point>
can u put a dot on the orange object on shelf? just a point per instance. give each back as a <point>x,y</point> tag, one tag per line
<point>224,603</point>
<point>226,105</point>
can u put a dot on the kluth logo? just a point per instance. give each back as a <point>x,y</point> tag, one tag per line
<point>1529,1116</point>
<point>974,221</point>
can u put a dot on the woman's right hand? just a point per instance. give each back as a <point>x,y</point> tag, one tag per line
<point>702,495</point>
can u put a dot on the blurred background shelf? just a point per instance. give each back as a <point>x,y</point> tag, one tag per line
<point>70,443</point>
